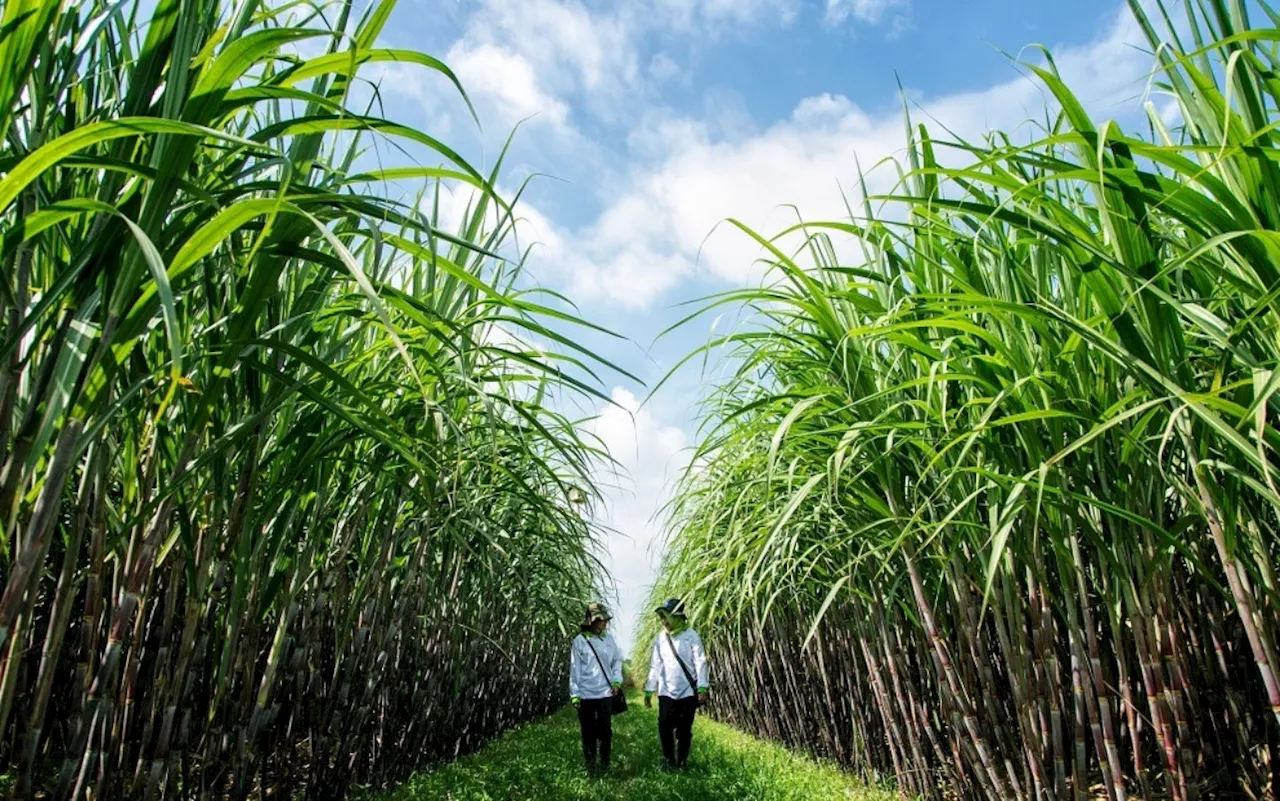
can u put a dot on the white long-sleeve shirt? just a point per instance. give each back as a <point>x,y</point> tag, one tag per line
<point>665,675</point>
<point>586,679</point>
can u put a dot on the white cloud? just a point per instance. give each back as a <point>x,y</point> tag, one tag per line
<point>562,52</point>
<point>664,68</point>
<point>567,43</point>
<point>570,50</point>
<point>659,229</point>
<point>714,16</point>
<point>635,275</point>
<point>508,81</point>
<point>867,11</point>
<point>650,452</point>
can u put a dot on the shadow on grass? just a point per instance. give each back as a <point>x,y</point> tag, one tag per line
<point>543,761</point>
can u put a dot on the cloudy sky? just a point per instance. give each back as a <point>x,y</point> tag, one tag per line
<point>651,121</point>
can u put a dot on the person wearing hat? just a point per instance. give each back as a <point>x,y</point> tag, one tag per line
<point>678,674</point>
<point>595,676</point>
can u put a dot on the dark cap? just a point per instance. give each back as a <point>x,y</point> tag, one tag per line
<point>673,607</point>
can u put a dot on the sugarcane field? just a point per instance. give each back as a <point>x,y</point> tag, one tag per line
<point>640,400</point>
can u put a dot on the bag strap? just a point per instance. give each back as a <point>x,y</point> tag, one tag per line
<point>693,683</point>
<point>587,640</point>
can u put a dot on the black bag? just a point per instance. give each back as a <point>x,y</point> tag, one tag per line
<point>618,703</point>
<point>693,683</point>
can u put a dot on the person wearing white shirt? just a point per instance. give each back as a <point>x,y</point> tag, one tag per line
<point>595,676</point>
<point>678,674</point>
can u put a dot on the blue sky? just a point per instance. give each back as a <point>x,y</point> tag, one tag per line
<point>659,118</point>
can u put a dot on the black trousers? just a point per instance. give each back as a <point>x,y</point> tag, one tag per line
<point>675,727</point>
<point>595,717</point>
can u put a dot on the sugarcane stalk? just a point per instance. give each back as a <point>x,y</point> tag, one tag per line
<point>1031,737</point>
<point>956,692</point>
<point>64,594</point>
<point>1153,682</point>
<point>13,475</point>
<point>1105,738</point>
<point>36,540</point>
<point>1119,636</point>
<point>20,268</point>
<point>1243,602</point>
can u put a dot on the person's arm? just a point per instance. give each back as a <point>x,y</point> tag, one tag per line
<point>700,664</point>
<point>615,668</point>
<point>655,666</point>
<point>575,667</point>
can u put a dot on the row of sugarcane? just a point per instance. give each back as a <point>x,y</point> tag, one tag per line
<point>285,500</point>
<point>987,505</point>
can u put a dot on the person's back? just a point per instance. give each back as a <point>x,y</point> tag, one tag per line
<point>678,675</point>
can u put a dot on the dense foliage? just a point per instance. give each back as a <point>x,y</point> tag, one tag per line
<point>284,499</point>
<point>991,507</point>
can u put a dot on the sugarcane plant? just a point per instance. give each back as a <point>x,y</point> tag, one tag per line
<point>987,503</point>
<point>285,498</point>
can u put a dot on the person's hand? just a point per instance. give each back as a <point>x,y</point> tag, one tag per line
<point>575,701</point>
<point>648,701</point>
<point>702,696</point>
<point>617,690</point>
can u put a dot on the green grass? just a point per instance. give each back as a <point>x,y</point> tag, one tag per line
<point>543,760</point>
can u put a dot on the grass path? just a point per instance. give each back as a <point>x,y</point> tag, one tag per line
<point>543,760</point>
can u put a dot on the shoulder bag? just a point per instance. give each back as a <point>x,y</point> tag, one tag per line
<point>619,700</point>
<point>693,683</point>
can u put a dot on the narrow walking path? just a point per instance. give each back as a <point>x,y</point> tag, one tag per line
<point>543,761</point>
